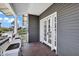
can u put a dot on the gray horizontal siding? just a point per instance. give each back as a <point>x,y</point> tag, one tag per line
<point>68,27</point>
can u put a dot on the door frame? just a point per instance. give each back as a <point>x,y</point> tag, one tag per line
<point>55,15</point>
<point>52,47</point>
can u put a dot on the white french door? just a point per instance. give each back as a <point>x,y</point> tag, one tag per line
<point>48,31</point>
<point>54,31</point>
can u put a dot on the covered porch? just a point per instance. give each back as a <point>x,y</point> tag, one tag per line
<point>32,46</point>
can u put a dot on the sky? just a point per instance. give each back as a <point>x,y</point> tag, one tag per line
<point>7,20</point>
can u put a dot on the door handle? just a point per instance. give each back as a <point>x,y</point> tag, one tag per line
<point>49,33</point>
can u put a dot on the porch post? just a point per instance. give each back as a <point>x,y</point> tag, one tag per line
<point>15,25</point>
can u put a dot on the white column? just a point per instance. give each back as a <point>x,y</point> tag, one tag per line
<point>15,25</point>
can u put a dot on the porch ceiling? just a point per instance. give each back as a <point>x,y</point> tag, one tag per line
<point>30,8</point>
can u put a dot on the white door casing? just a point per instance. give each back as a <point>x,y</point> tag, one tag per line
<point>48,31</point>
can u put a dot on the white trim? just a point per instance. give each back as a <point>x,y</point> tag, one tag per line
<point>27,29</point>
<point>15,25</point>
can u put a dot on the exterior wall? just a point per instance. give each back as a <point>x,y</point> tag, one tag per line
<point>68,27</point>
<point>33,28</point>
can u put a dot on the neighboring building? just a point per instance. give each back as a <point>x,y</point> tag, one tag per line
<point>24,22</point>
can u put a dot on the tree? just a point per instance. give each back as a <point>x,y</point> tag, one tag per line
<point>12,23</point>
<point>0,25</point>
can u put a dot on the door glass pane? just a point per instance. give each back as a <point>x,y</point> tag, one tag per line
<point>55,31</point>
<point>45,30</point>
<point>49,32</point>
<point>55,43</point>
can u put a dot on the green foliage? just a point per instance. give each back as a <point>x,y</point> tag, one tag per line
<point>3,30</point>
<point>22,31</point>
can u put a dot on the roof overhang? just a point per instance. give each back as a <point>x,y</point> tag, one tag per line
<point>6,9</point>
